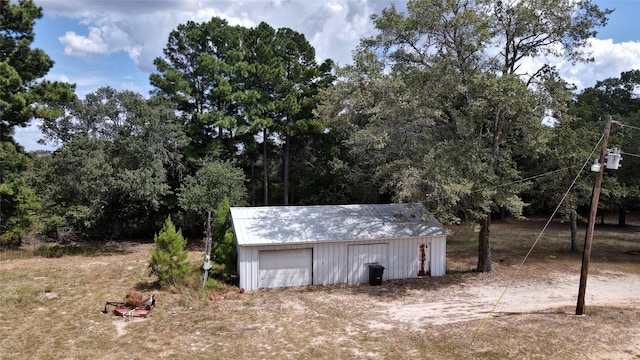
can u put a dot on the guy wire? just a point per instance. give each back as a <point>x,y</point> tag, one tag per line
<point>486,319</point>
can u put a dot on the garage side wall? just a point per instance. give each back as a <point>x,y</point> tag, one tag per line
<point>438,255</point>
<point>248,267</point>
<point>330,259</point>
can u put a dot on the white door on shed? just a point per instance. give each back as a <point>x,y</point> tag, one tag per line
<point>283,268</point>
<point>359,259</point>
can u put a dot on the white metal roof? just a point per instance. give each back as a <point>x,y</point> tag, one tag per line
<point>273,225</point>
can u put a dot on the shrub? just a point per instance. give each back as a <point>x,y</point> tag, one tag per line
<point>224,249</point>
<point>169,258</point>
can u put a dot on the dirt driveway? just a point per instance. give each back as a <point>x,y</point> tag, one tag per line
<point>474,300</point>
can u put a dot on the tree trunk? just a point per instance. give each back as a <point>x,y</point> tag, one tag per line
<point>484,238</point>
<point>265,168</point>
<point>622,216</point>
<point>573,218</point>
<point>254,196</point>
<point>116,228</point>
<point>484,258</point>
<point>287,150</point>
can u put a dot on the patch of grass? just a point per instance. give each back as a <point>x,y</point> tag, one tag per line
<point>56,251</point>
<point>22,295</point>
<point>15,254</point>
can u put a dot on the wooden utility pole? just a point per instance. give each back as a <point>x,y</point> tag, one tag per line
<point>588,239</point>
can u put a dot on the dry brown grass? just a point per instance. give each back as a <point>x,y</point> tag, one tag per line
<point>325,322</point>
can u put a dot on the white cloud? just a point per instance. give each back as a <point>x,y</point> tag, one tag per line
<point>610,59</point>
<point>131,86</point>
<point>105,37</point>
<point>333,27</point>
<point>141,28</point>
<point>82,46</point>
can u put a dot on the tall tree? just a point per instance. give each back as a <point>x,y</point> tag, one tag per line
<point>617,97</point>
<point>298,80</point>
<point>258,103</point>
<point>201,73</point>
<point>240,87</point>
<point>118,152</point>
<point>23,95</point>
<point>468,104</point>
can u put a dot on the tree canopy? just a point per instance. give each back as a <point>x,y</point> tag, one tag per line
<point>445,121</point>
<point>119,154</point>
<point>436,107</point>
<point>236,86</point>
<point>23,95</point>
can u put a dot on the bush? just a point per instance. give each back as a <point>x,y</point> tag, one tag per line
<point>224,249</point>
<point>169,258</point>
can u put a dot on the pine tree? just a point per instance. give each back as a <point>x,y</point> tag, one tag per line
<point>169,258</point>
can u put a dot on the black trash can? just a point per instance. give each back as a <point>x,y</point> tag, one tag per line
<point>375,274</point>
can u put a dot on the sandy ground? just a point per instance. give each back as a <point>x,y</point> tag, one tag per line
<point>472,301</point>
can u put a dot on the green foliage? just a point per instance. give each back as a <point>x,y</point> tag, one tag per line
<point>169,258</point>
<point>113,173</point>
<point>202,73</point>
<point>22,97</point>
<point>224,249</point>
<point>232,83</point>
<point>18,202</point>
<point>215,182</point>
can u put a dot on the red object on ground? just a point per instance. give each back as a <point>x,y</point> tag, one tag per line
<point>124,311</point>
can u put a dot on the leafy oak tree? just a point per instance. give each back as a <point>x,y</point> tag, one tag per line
<point>215,182</point>
<point>118,153</point>
<point>456,86</point>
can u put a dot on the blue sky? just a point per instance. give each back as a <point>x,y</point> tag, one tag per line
<point>96,43</point>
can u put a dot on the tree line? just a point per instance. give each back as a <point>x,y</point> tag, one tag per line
<point>434,108</point>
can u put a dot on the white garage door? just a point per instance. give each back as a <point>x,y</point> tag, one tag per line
<point>283,268</point>
<point>359,258</point>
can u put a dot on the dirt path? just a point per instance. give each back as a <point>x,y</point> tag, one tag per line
<point>473,301</point>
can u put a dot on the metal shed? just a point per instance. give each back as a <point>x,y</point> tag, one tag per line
<point>281,246</point>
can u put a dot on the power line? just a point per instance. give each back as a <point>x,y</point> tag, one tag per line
<point>486,319</point>
<point>633,155</point>
<point>532,177</point>
<point>625,125</point>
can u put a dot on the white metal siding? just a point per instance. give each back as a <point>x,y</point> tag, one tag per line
<point>248,267</point>
<point>330,263</point>
<point>284,268</point>
<point>330,259</point>
<point>438,255</point>
<point>360,257</point>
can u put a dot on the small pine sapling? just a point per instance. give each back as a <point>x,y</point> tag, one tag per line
<point>169,258</point>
